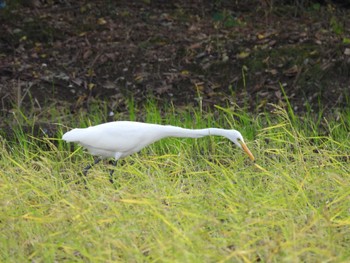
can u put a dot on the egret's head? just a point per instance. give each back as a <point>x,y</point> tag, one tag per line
<point>237,138</point>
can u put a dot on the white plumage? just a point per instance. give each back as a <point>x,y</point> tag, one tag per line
<point>122,138</point>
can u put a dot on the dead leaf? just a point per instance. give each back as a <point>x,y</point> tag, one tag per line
<point>77,81</point>
<point>101,21</point>
<point>87,54</point>
<point>347,52</point>
<point>163,89</point>
<point>243,55</point>
<point>261,36</point>
<point>195,45</point>
<point>278,94</point>
<point>110,85</point>
<point>291,71</point>
<point>24,38</point>
<point>272,43</point>
<point>272,71</point>
<point>199,86</point>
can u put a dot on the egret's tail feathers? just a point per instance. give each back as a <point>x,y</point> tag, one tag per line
<point>73,135</point>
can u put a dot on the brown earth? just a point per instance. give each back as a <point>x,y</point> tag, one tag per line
<point>187,53</point>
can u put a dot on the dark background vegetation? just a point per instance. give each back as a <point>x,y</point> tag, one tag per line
<point>71,54</point>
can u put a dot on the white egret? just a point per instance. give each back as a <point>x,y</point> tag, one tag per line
<point>122,138</point>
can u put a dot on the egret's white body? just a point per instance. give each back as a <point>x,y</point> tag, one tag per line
<point>121,138</point>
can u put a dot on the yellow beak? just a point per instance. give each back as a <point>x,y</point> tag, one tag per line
<point>245,148</point>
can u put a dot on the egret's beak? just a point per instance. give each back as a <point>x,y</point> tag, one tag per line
<point>245,148</point>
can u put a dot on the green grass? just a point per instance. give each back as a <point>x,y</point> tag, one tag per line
<point>184,200</point>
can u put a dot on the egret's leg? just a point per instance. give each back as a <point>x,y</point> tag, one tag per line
<point>87,168</point>
<point>114,162</point>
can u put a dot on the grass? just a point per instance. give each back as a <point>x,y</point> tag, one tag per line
<point>184,200</point>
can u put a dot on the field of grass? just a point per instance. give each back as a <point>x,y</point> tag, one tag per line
<point>184,200</point>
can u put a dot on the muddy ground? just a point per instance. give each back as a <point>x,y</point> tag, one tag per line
<point>188,53</point>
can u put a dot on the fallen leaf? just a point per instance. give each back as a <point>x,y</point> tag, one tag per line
<point>110,85</point>
<point>24,38</point>
<point>77,81</point>
<point>347,52</point>
<point>261,36</point>
<point>278,94</point>
<point>243,55</point>
<point>291,71</point>
<point>101,21</point>
<point>91,86</point>
<point>272,71</point>
<point>87,54</point>
<point>163,89</point>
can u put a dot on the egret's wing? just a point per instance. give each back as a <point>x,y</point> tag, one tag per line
<point>116,136</point>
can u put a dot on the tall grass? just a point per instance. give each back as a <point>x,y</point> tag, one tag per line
<point>184,200</point>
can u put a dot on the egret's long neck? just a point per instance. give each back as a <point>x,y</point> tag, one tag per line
<point>218,132</point>
<point>172,131</point>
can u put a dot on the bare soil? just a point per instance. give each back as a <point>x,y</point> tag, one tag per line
<point>181,52</point>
